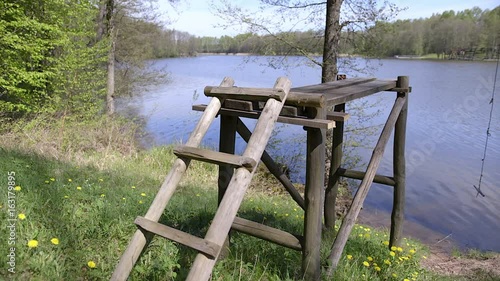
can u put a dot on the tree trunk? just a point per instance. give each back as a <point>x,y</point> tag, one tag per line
<point>110,94</point>
<point>332,36</point>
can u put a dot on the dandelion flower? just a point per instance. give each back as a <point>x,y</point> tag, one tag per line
<point>378,268</point>
<point>52,179</point>
<point>386,243</point>
<point>399,249</point>
<point>143,194</point>
<point>21,216</point>
<point>413,251</point>
<point>394,248</point>
<point>66,196</point>
<point>79,187</point>
<point>197,194</point>
<point>101,180</point>
<point>70,180</point>
<point>424,257</point>
<point>17,188</point>
<point>394,275</point>
<point>91,264</point>
<point>369,258</point>
<point>124,198</point>
<point>32,243</point>
<point>47,182</point>
<point>388,262</point>
<point>140,201</point>
<point>133,186</point>
<point>54,241</point>
<point>367,235</point>
<point>349,257</point>
<point>103,195</point>
<point>365,263</point>
<point>406,279</point>
<point>392,253</point>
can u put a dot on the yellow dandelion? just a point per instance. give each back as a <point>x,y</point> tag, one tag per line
<point>101,180</point>
<point>386,243</point>
<point>413,251</point>
<point>388,262</point>
<point>52,179</point>
<point>365,263</point>
<point>349,257</point>
<point>394,275</point>
<point>406,279</point>
<point>124,198</point>
<point>70,180</point>
<point>54,241</point>
<point>103,195</point>
<point>392,253</point>
<point>399,249</point>
<point>17,188</point>
<point>79,187</point>
<point>369,258</point>
<point>91,264</point>
<point>66,196</point>
<point>47,181</point>
<point>286,215</point>
<point>378,268</point>
<point>394,248</point>
<point>368,229</point>
<point>140,201</point>
<point>360,235</point>
<point>133,187</point>
<point>424,257</point>
<point>21,216</point>
<point>143,194</point>
<point>32,243</point>
<point>367,235</point>
<point>197,195</point>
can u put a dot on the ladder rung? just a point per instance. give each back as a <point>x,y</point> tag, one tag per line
<point>214,157</point>
<point>209,248</point>
<point>337,116</point>
<point>249,94</point>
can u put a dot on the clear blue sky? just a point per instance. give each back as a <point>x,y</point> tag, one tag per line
<point>195,17</point>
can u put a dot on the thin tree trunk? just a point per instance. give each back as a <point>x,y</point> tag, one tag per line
<point>332,36</point>
<point>110,95</point>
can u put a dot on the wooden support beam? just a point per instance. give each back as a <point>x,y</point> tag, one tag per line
<point>338,116</point>
<point>332,187</point>
<point>314,200</point>
<point>267,233</point>
<point>400,89</point>
<point>167,189</point>
<point>359,198</point>
<point>199,244</point>
<point>359,175</point>
<point>214,157</point>
<point>273,168</point>
<point>223,219</point>
<point>248,94</point>
<point>311,123</point>
<point>238,104</point>
<point>398,206</point>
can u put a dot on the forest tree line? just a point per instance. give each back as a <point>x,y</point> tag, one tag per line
<point>449,34</point>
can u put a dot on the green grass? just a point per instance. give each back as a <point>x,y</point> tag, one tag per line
<point>89,198</point>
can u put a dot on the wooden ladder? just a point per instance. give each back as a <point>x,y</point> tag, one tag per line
<point>209,247</point>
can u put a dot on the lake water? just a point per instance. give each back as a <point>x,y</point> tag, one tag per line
<point>448,116</point>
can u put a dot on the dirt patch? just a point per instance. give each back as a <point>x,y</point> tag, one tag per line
<point>480,268</point>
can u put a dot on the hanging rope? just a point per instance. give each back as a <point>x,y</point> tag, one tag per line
<point>488,134</point>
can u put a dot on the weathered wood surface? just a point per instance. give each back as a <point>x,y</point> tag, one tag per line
<point>242,93</point>
<point>214,157</point>
<point>167,189</point>
<point>227,142</point>
<point>224,217</point>
<point>238,104</point>
<point>267,233</point>
<point>337,116</point>
<point>357,203</point>
<point>398,206</point>
<point>332,187</point>
<point>273,168</point>
<point>319,88</point>
<point>314,200</point>
<point>338,95</point>
<point>312,123</point>
<point>178,236</point>
<point>359,175</point>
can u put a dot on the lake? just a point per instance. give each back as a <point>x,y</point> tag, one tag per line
<point>448,117</point>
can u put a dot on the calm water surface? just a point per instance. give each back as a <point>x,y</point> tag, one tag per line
<point>448,117</point>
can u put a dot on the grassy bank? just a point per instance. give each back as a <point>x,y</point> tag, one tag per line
<point>74,215</point>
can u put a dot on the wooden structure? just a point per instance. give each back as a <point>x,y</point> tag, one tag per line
<point>306,106</point>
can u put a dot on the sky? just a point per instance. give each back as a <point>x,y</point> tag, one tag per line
<point>196,17</point>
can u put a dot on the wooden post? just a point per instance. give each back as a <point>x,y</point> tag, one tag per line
<point>224,217</point>
<point>314,199</point>
<point>333,176</point>
<point>227,142</point>
<point>140,238</point>
<point>359,198</point>
<point>397,216</point>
